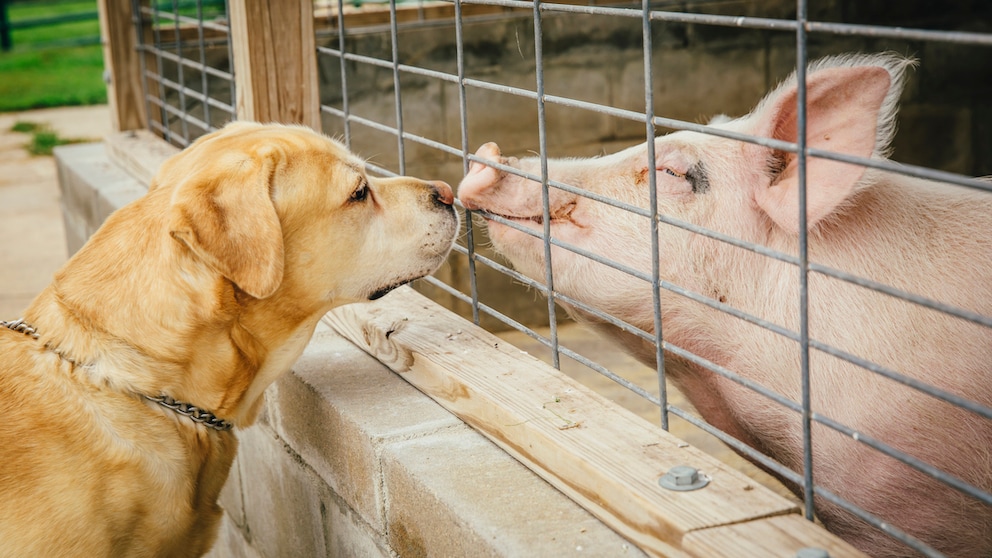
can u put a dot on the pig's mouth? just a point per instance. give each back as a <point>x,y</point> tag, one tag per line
<point>558,216</point>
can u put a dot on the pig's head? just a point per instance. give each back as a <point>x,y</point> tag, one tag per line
<point>741,189</point>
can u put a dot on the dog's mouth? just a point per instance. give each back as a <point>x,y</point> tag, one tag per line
<point>387,289</point>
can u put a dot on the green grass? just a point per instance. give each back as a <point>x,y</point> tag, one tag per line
<point>43,139</point>
<point>40,72</point>
<point>52,78</point>
<point>25,127</point>
<point>48,68</point>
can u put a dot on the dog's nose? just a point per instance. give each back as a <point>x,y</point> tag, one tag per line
<point>443,192</point>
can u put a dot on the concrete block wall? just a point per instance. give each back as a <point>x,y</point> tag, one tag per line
<point>92,188</point>
<point>348,460</point>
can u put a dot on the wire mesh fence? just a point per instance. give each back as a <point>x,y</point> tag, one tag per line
<point>185,67</point>
<point>418,87</point>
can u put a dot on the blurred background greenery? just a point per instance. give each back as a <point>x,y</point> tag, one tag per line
<point>51,55</point>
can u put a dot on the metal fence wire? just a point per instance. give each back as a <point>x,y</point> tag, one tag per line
<point>418,93</point>
<point>185,67</point>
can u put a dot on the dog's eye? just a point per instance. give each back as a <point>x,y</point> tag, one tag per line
<point>361,192</point>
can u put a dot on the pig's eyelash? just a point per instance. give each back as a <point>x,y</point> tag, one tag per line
<point>676,174</point>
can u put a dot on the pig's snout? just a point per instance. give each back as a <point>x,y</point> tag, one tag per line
<point>490,151</point>
<point>480,177</point>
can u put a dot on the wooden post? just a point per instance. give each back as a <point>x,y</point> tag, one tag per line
<point>6,43</point>
<point>120,58</point>
<point>275,61</point>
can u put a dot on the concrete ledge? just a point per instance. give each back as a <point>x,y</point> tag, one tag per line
<point>356,462</point>
<point>349,459</point>
<point>457,494</point>
<point>92,188</point>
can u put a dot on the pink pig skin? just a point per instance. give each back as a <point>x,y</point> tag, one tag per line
<point>926,238</point>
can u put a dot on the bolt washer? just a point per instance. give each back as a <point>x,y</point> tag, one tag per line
<point>683,478</point>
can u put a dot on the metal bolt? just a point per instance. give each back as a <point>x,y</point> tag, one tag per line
<point>683,478</point>
<point>684,475</point>
<point>812,553</point>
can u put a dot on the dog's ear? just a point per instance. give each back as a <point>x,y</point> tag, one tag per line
<point>225,215</point>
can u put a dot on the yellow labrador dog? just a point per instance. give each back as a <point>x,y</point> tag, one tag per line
<point>120,386</point>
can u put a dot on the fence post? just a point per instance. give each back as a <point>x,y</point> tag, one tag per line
<point>275,61</point>
<point>121,63</point>
<point>6,43</point>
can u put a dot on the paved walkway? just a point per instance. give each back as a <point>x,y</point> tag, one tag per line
<point>32,237</point>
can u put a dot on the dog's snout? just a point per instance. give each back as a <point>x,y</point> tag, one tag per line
<point>442,192</point>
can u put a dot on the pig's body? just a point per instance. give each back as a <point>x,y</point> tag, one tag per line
<point>929,239</point>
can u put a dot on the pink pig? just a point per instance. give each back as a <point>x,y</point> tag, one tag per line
<point>917,236</point>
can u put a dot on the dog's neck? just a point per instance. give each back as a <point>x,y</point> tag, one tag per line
<point>161,321</point>
<point>223,367</point>
<point>194,413</point>
<point>190,334</point>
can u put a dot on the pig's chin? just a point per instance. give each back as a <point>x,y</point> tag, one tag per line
<point>509,238</point>
<point>525,248</point>
<point>561,219</point>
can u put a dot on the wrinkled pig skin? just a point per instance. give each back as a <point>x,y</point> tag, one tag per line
<point>926,238</point>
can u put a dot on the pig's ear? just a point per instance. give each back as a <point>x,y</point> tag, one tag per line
<point>851,106</point>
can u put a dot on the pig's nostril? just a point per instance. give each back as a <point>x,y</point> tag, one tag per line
<point>489,150</point>
<point>442,192</point>
<point>475,167</point>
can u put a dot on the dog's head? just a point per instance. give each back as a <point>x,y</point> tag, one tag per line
<point>277,208</point>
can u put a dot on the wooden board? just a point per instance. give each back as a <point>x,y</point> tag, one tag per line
<point>140,153</point>
<point>120,59</point>
<point>599,454</point>
<point>780,536</point>
<point>275,61</point>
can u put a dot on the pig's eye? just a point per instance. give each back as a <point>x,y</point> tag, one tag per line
<point>671,172</point>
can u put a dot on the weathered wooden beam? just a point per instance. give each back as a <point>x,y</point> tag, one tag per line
<point>139,152</point>
<point>275,61</point>
<point>122,65</point>
<point>602,456</point>
<point>772,536</point>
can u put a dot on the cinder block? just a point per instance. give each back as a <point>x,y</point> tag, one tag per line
<point>691,84</point>
<point>575,125</point>
<point>231,496</point>
<point>78,187</point>
<point>457,494</point>
<point>231,543</point>
<point>116,195</point>
<point>336,410</point>
<point>281,495</point>
<point>76,231</point>
<point>347,534</point>
<point>92,188</point>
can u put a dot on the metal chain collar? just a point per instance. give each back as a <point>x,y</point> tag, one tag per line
<point>21,326</point>
<point>194,413</point>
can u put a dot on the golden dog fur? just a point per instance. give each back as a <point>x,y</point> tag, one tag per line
<point>206,289</point>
